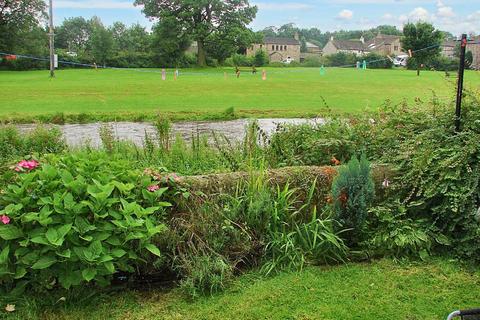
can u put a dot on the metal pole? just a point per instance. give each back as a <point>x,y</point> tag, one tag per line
<point>461,72</point>
<point>52,43</point>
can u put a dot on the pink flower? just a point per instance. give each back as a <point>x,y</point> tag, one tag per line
<point>26,164</point>
<point>153,188</point>
<point>5,219</point>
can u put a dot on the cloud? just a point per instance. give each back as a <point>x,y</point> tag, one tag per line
<point>419,14</point>
<point>444,11</point>
<point>282,6</point>
<point>93,4</point>
<point>345,15</point>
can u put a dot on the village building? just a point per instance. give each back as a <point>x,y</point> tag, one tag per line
<point>278,49</point>
<point>474,47</point>
<point>381,44</point>
<point>448,48</point>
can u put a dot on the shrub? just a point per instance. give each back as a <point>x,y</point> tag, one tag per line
<point>77,219</point>
<point>341,59</point>
<point>353,191</point>
<point>377,61</point>
<point>260,59</point>
<point>241,60</point>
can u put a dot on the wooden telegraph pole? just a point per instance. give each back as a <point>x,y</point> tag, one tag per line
<point>461,72</point>
<point>52,43</point>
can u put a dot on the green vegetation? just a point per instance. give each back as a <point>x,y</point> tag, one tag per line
<point>382,290</point>
<point>87,95</point>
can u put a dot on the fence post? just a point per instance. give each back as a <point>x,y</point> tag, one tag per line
<point>461,72</point>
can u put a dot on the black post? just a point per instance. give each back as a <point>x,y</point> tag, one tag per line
<point>461,72</point>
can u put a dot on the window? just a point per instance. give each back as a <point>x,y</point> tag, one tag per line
<point>277,47</point>
<point>395,48</point>
<point>273,48</point>
<point>261,46</point>
<point>285,48</point>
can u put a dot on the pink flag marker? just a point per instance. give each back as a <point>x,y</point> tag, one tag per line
<point>264,75</point>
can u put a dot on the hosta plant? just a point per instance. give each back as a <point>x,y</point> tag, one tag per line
<point>70,220</point>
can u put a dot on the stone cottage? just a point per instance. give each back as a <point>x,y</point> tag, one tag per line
<point>474,47</point>
<point>278,49</point>
<point>381,44</point>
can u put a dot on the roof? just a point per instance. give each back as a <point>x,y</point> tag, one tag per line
<point>311,45</point>
<point>283,41</point>
<point>349,45</point>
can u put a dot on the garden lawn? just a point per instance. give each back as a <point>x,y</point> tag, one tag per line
<point>206,93</point>
<point>378,290</point>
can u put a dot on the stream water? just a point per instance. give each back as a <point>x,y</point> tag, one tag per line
<point>82,134</point>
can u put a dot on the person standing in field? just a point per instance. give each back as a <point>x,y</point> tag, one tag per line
<point>237,72</point>
<point>254,70</point>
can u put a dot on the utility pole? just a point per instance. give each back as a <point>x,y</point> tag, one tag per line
<point>461,72</point>
<point>52,42</point>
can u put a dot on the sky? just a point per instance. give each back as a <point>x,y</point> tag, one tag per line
<point>455,16</point>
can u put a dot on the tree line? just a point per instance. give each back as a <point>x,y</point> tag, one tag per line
<point>218,28</point>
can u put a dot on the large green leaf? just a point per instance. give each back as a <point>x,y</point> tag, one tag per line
<point>153,249</point>
<point>44,262</point>
<point>89,274</point>
<point>10,232</point>
<point>56,236</point>
<point>4,255</point>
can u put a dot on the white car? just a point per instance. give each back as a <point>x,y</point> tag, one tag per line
<point>288,60</point>
<point>400,61</point>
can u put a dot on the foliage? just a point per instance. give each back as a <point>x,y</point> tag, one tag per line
<point>77,219</point>
<point>341,59</point>
<point>422,39</point>
<point>353,191</point>
<point>393,233</point>
<point>203,20</point>
<point>169,43</point>
<point>377,61</point>
<point>260,59</point>
<point>38,141</point>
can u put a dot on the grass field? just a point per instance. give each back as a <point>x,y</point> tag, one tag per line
<point>203,94</point>
<point>380,290</point>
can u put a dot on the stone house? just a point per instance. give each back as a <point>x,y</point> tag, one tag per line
<point>385,45</point>
<point>448,48</point>
<point>381,44</point>
<point>278,49</point>
<point>333,46</point>
<point>474,47</point>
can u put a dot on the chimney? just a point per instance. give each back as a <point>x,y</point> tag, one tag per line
<point>297,36</point>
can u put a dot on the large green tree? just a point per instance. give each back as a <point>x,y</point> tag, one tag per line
<point>423,40</point>
<point>73,34</point>
<point>169,43</point>
<point>17,18</point>
<point>101,42</point>
<point>201,18</point>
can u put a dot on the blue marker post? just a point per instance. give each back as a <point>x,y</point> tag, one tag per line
<point>364,67</point>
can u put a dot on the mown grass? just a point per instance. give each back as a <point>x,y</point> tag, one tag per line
<point>89,95</point>
<point>378,290</point>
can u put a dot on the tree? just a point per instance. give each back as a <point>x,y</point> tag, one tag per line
<point>224,43</point>
<point>101,42</point>
<point>424,40</point>
<point>73,34</point>
<point>17,17</point>
<point>169,43</point>
<point>201,18</point>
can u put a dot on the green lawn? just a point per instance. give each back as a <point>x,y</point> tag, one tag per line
<point>122,94</point>
<point>379,290</point>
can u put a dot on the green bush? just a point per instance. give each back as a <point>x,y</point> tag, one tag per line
<point>241,60</point>
<point>377,61</point>
<point>260,59</point>
<point>341,59</point>
<point>76,219</point>
<point>353,192</point>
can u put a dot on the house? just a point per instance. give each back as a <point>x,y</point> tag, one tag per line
<point>448,48</point>
<point>386,45</point>
<point>381,44</point>
<point>333,46</point>
<point>313,48</point>
<point>474,47</point>
<point>278,49</point>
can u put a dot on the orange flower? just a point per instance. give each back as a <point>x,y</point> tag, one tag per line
<point>335,161</point>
